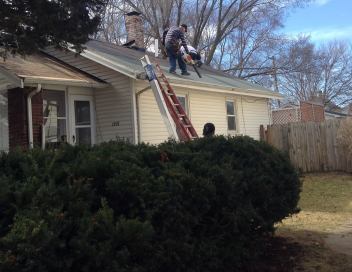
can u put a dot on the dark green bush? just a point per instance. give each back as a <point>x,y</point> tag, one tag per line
<point>204,205</point>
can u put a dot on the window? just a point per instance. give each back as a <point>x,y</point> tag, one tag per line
<point>183,102</point>
<point>54,114</point>
<point>231,115</point>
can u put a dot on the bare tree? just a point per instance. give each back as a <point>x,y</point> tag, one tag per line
<point>325,72</point>
<point>112,27</point>
<point>336,72</point>
<point>251,46</point>
<point>211,21</point>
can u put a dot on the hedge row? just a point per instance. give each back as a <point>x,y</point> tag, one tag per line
<point>203,206</point>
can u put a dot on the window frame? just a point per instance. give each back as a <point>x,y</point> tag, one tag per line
<point>186,102</point>
<point>234,115</point>
<point>47,143</point>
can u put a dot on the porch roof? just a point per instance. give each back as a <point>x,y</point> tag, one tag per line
<point>127,61</point>
<point>18,71</point>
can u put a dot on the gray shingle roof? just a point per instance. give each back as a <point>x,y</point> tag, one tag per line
<point>128,60</point>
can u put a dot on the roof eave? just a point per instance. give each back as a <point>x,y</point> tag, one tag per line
<point>108,63</point>
<point>223,89</point>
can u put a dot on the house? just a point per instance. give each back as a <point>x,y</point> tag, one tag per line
<point>100,95</point>
<point>333,111</point>
<point>334,114</point>
<point>304,112</point>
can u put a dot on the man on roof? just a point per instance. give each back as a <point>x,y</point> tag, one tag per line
<point>174,36</point>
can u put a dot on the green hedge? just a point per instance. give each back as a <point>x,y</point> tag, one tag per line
<point>203,206</point>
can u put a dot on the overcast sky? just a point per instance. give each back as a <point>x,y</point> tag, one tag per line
<point>323,20</point>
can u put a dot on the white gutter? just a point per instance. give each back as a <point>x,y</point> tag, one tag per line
<point>43,137</point>
<point>29,114</point>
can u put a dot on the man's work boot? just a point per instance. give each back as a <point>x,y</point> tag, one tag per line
<point>185,73</point>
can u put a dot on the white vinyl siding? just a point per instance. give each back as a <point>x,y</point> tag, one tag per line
<point>252,112</point>
<point>151,126</point>
<point>206,107</point>
<point>113,105</point>
<point>203,107</point>
<point>4,126</point>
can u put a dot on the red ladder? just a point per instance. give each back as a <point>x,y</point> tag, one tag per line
<point>184,127</point>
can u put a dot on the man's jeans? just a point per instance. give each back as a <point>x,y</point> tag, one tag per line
<point>172,59</point>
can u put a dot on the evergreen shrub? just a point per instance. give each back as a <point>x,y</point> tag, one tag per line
<point>204,205</point>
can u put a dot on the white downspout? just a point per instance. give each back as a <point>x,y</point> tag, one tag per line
<point>29,114</point>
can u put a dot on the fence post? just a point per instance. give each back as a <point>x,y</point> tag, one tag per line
<point>262,133</point>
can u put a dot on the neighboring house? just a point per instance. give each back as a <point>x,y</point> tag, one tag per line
<point>336,115</point>
<point>98,96</point>
<point>304,112</point>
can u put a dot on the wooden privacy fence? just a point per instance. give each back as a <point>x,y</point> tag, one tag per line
<point>314,147</point>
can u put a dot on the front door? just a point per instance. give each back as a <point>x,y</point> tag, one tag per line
<point>82,120</point>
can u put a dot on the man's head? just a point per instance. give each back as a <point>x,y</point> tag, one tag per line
<point>208,130</point>
<point>183,27</point>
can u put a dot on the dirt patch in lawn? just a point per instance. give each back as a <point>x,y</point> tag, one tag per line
<point>323,228</point>
<point>340,240</point>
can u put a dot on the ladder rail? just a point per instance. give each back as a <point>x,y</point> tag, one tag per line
<point>183,121</point>
<point>181,130</point>
<point>158,94</point>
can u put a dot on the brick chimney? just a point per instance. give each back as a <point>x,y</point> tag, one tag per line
<point>134,27</point>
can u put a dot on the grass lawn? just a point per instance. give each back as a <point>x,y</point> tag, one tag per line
<point>326,208</point>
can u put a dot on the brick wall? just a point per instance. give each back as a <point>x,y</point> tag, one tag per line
<point>312,112</point>
<point>17,114</point>
<point>18,136</point>
<point>37,112</point>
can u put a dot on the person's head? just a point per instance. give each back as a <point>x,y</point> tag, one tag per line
<point>183,27</point>
<point>208,130</point>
